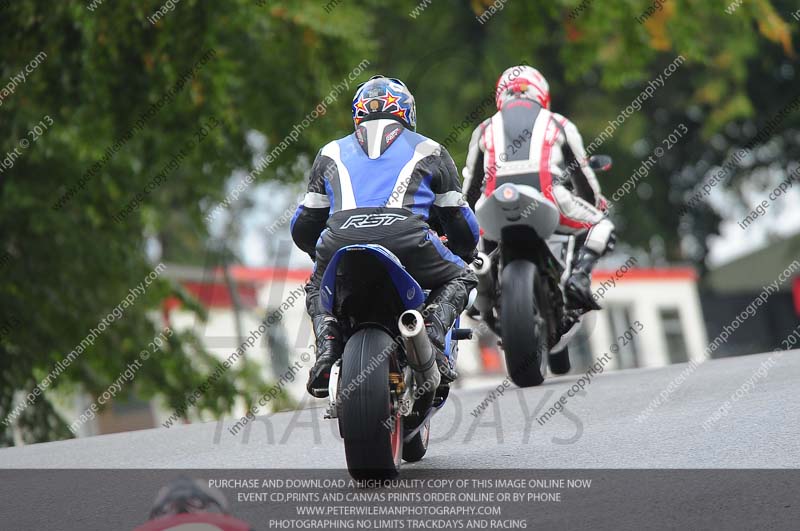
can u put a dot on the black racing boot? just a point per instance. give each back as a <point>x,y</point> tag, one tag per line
<point>329,350</point>
<point>444,306</point>
<point>579,284</point>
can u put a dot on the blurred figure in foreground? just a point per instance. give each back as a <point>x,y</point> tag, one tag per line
<point>187,504</point>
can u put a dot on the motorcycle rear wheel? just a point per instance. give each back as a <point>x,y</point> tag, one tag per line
<point>371,427</point>
<point>522,327</point>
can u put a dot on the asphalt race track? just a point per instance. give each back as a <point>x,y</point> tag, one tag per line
<point>601,429</point>
<point>598,429</point>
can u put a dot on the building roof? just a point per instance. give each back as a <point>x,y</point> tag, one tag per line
<point>652,274</point>
<point>751,272</point>
<point>210,289</point>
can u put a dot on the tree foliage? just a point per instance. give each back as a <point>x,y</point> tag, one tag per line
<point>65,268</point>
<point>271,64</point>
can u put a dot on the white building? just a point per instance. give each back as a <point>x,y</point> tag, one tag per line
<point>664,302</point>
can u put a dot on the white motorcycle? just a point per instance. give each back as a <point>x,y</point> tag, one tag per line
<point>521,293</point>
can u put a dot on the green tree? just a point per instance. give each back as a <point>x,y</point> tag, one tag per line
<point>597,61</point>
<point>219,72</point>
<point>235,64</point>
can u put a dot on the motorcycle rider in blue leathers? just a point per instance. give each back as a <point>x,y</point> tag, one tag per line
<point>386,184</point>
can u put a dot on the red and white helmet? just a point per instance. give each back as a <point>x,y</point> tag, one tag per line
<point>522,81</point>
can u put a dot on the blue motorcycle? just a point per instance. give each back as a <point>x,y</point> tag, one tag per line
<point>386,387</point>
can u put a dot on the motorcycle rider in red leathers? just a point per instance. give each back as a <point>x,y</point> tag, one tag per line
<point>551,151</point>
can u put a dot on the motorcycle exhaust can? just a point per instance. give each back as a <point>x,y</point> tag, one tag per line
<point>419,351</point>
<point>482,265</point>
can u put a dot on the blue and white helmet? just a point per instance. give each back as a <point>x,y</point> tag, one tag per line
<point>384,97</point>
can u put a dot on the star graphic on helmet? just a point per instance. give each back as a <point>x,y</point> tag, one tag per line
<point>360,105</point>
<point>401,113</point>
<point>389,98</point>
